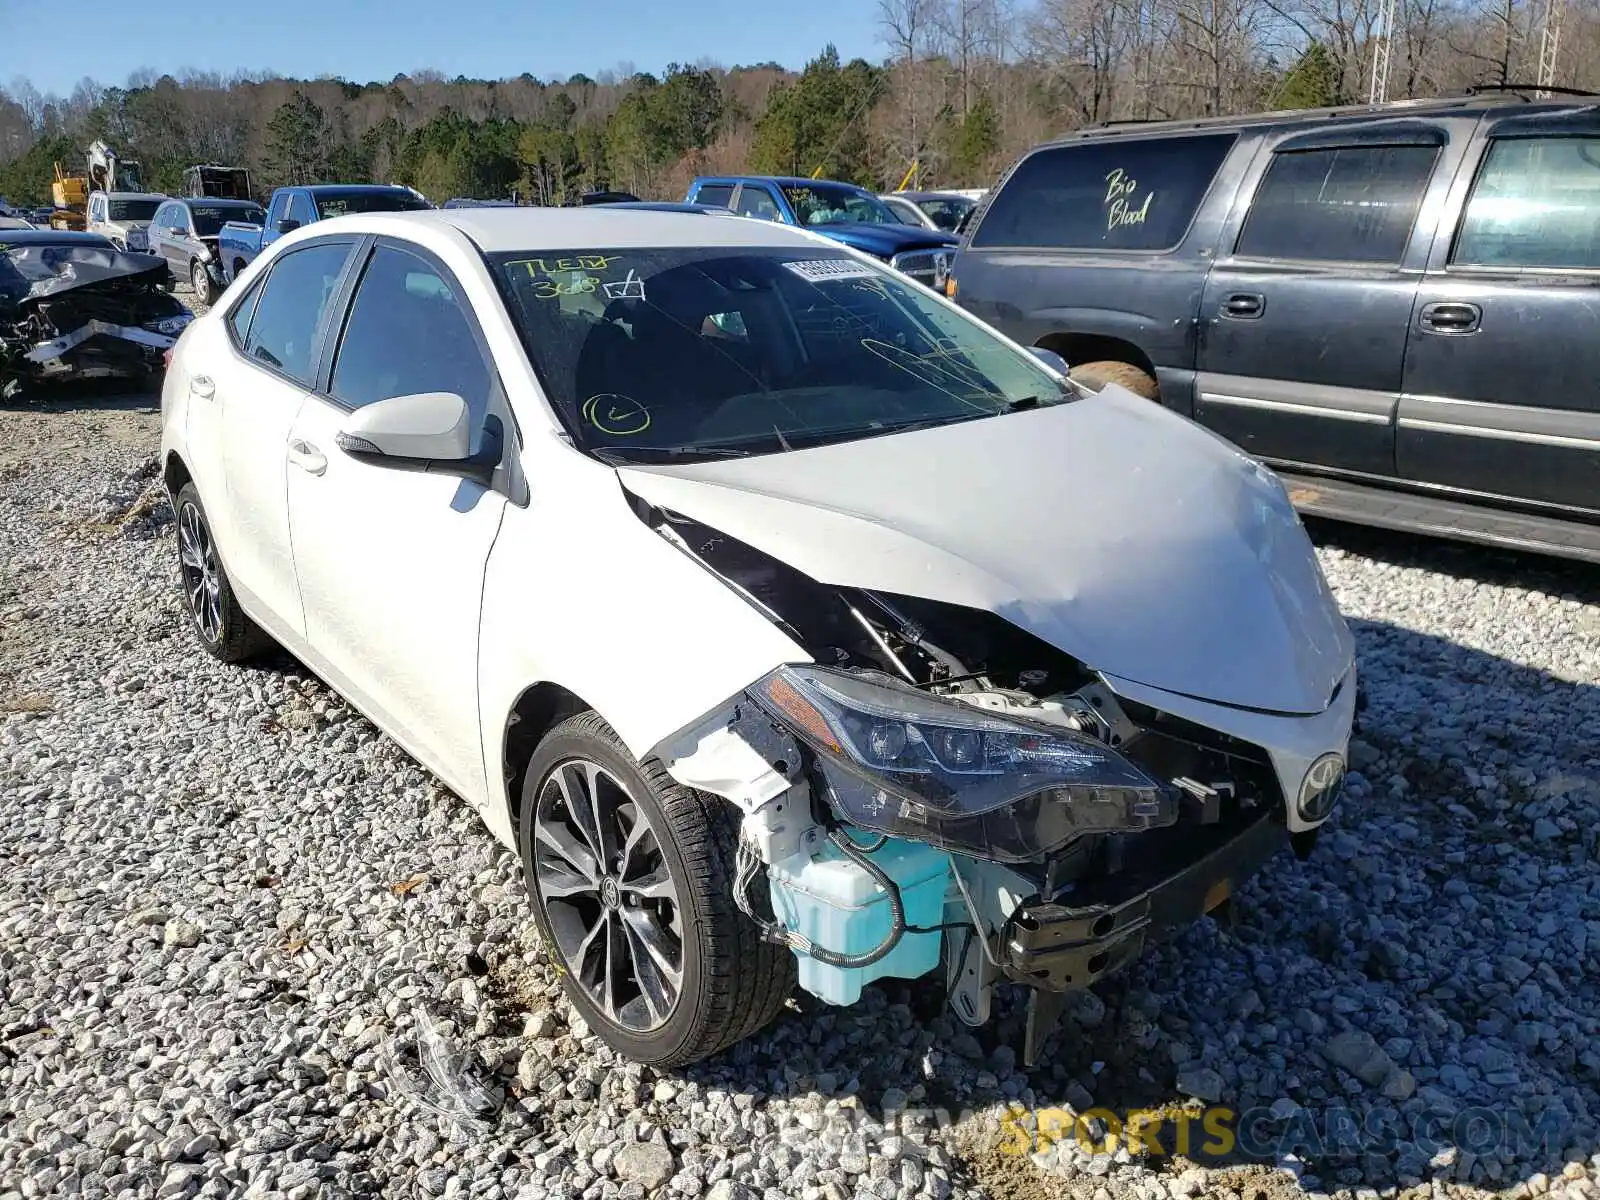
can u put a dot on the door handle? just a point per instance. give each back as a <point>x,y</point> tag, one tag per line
<point>202,386</point>
<point>1450,316</point>
<point>307,457</point>
<point>1244,306</point>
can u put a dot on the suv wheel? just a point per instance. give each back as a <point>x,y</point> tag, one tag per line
<point>1137,381</point>
<point>631,878</point>
<point>200,281</point>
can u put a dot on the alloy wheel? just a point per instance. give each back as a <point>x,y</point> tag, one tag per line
<point>612,902</point>
<point>202,580</point>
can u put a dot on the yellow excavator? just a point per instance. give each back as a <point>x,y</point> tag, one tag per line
<point>106,173</point>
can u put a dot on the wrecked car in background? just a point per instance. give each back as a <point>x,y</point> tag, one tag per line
<point>73,306</point>
<point>792,624</point>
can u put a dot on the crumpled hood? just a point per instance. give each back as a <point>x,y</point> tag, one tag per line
<point>1117,531</point>
<point>884,240</point>
<point>36,272</point>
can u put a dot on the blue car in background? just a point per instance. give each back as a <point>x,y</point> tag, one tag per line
<point>238,242</point>
<point>841,211</point>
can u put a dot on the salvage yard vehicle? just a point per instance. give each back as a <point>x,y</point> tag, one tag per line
<point>124,217</point>
<point>1392,305</point>
<point>842,212</point>
<point>73,306</point>
<point>687,551</point>
<point>931,210</point>
<point>185,234</point>
<point>238,242</point>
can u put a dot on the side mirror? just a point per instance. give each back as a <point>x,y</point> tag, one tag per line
<point>1050,359</point>
<point>426,431</point>
<point>287,225</point>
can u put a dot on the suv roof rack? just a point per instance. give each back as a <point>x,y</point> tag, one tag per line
<point>1536,88</point>
<point>1475,97</point>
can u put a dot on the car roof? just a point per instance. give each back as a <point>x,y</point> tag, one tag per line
<point>233,200</point>
<point>671,206</point>
<point>137,195</point>
<point>929,195</point>
<point>586,227</point>
<point>54,237</point>
<point>1486,100</point>
<point>781,180</point>
<point>374,188</point>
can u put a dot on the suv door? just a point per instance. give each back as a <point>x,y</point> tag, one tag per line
<point>1304,318</point>
<point>257,392</point>
<point>390,562</point>
<point>1502,378</point>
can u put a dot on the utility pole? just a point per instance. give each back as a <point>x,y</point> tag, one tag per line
<point>1550,13</point>
<point>1378,92</point>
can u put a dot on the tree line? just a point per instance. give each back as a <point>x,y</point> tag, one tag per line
<point>962,88</point>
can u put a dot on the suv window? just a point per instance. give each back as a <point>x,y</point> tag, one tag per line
<point>290,309</point>
<point>1536,203</point>
<point>1344,204</point>
<point>408,332</point>
<point>1116,194</point>
<point>719,194</point>
<point>300,209</point>
<point>757,202</point>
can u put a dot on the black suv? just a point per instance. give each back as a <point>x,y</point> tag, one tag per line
<point>1398,305</point>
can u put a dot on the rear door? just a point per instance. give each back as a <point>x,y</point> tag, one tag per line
<point>1502,378</point>
<point>1098,248</point>
<point>1303,323</point>
<point>257,392</point>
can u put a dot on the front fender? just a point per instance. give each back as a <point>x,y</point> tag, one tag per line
<point>579,592</point>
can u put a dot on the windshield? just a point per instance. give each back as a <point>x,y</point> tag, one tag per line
<point>336,204</point>
<point>657,354</point>
<point>210,218</point>
<point>947,214</point>
<point>832,203</point>
<point>134,210</point>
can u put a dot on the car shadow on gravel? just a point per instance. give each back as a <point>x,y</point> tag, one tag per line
<point>111,395</point>
<point>1462,560</point>
<point>1418,1001</point>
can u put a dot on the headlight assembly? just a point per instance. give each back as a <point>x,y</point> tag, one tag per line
<point>916,766</point>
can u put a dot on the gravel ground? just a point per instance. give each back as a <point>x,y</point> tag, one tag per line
<point>247,948</point>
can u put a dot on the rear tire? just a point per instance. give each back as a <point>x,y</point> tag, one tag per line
<point>670,886</point>
<point>225,630</point>
<point>1135,379</point>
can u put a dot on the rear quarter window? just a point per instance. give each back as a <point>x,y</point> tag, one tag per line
<point>1134,194</point>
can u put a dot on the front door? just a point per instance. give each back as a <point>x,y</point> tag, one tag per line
<point>1303,324</point>
<point>1502,379</point>
<point>391,562</point>
<point>257,392</point>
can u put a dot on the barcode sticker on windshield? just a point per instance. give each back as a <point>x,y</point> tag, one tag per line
<point>817,269</point>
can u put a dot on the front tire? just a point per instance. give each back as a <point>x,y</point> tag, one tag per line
<point>631,879</point>
<point>200,281</point>
<point>225,630</point>
<point>1138,381</point>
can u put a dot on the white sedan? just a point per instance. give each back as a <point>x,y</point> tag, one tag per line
<point>789,623</point>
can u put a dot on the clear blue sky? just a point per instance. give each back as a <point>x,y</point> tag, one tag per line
<point>366,40</point>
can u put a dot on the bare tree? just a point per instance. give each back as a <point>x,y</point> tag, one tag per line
<point>906,27</point>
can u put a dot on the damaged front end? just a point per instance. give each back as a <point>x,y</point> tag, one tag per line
<point>80,310</point>
<point>940,789</point>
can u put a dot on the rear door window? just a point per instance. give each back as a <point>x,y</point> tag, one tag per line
<point>1342,204</point>
<point>289,313</point>
<point>1117,194</point>
<point>757,202</point>
<point>1536,203</point>
<point>718,194</point>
